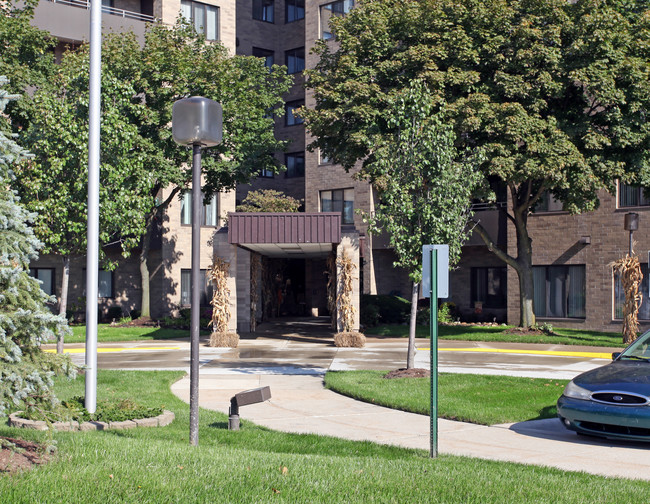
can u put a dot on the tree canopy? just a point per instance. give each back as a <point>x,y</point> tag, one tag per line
<point>268,200</point>
<point>139,157</point>
<point>553,93</point>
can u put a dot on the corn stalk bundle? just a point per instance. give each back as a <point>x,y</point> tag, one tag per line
<point>331,288</point>
<point>218,275</point>
<point>344,305</point>
<point>629,271</point>
<point>256,268</point>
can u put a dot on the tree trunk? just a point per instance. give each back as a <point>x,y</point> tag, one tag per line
<point>410,359</point>
<point>526,292</point>
<point>145,306</point>
<point>524,272</point>
<point>63,300</point>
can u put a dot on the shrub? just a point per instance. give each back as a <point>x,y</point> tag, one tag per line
<point>135,314</point>
<point>369,315</point>
<point>546,328</point>
<point>391,309</point>
<point>423,316</point>
<point>114,313</point>
<point>116,410</point>
<point>445,313</point>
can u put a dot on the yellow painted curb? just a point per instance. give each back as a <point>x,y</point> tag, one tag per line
<point>111,350</point>
<point>557,353</point>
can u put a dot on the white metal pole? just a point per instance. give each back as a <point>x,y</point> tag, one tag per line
<point>92,256</point>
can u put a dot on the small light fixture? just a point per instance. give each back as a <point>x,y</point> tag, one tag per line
<point>631,224</point>
<point>585,240</point>
<point>197,121</point>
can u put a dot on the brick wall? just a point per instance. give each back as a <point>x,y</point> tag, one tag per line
<point>556,241</point>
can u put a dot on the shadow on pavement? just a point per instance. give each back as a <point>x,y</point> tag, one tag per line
<point>552,429</point>
<point>300,329</point>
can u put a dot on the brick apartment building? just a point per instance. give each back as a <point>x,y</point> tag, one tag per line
<point>574,284</point>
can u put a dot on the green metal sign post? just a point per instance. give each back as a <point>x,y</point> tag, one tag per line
<point>435,284</point>
<point>433,332</point>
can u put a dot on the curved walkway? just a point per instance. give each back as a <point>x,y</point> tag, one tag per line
<point>300,403</point>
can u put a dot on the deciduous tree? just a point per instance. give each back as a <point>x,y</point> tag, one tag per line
<point>174,63</point>
<point>268,200</point>
<point>425,186</point>
<point>54,183</point>
<point>554,93</point>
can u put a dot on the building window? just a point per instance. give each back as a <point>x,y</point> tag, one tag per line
<point>263,10</point>
<point>295,164</point>
<point>619,295</point>
<point>46,277</point>
<point>266,173</point>
<point>290,118</point>
<point>339,200</point>
<point>186,288</point>
<point>489,287</point>
<point>204,18</point>
<point>340,8</point>
<point>105,284</point>
<point>268,56</point>
<point>548,203</point>
<point>295,60</point>
<point>559,291</point>
<point>295,10</point>
<point>209,211</point>
<point>631,196</point>
<point>322,158</point>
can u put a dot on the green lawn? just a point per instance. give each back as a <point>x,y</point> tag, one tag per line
<point>498,333</point>
<point>107,333</point>
<point>159,466</point>
<point>478,399</point>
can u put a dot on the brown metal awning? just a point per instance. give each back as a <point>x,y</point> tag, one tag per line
<point>285,234</point>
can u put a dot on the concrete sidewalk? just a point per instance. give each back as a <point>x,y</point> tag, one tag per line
<point>301,404</point>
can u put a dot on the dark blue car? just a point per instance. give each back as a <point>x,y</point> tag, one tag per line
<point>614,400</point>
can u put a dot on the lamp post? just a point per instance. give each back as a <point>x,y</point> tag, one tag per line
<point>631,224</point>
<point>196,121</point>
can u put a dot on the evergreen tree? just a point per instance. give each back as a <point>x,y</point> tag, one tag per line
<point>25,320</point>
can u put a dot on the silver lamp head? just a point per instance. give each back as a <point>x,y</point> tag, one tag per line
<point>197,121</point>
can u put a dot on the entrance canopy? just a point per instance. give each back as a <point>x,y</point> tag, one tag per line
<point>286,235</point>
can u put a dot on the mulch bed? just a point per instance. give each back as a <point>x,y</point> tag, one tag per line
<point>22,456</point>
<point>408,373</point>
<point>141,322</point>
<point>520,331</point>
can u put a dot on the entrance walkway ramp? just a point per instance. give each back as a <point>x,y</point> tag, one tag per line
<point>300,403</point>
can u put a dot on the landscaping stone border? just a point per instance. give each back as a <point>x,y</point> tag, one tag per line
<point>161,420</point>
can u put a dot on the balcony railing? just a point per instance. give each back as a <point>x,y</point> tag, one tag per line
<point>494,205</point>
<point>84,4</point>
